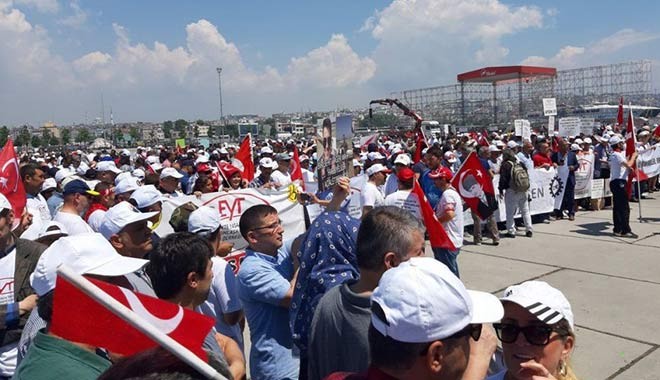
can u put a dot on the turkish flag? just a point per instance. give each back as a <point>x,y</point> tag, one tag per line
<point>475,186</point>
<point>243,159</point>
<point>619,115</point>
<point>437,234</point>
<point>296,169</point>
<point>11,185</point>
<point>483,138</point>
<point>420,145</point>
<point>630,149</point>
<point>226,169</point>
<point>78,317</point>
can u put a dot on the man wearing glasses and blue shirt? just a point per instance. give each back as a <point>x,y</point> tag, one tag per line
<point>266,282</point>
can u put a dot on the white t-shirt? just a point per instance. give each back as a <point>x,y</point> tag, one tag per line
<point>391,184</point>
<point>74,224</point>
<point>39,204</point>
<point>371,195</point>
<point>223,299</point>
<point>8,352</point>
<point>450,200</point>
<point>95,219</point>
<point>617,170</point>
<point>406,200</point>
<point>281,179</point>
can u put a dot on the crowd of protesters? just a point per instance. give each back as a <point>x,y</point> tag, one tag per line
<point>348,299</point>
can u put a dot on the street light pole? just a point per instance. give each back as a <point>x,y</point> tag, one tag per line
<point>222,126</point>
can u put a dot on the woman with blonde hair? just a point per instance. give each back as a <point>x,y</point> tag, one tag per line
<point>537,333</point>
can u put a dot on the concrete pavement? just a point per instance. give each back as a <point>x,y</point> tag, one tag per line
<point>613,285</point>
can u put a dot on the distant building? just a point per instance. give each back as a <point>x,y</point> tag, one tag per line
<point>51,128</point>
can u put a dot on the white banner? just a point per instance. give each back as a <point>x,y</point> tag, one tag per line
<point>648,161</point>
<point>549,106</point>
<point>584,176</point>
<point>587,126</point>
<point>598,188</point>
<point>231,206</point>
<point>569,126</point>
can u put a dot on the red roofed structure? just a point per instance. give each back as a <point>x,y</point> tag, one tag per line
<point>503,75</point>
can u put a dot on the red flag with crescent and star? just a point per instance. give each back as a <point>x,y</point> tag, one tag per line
<point>243,159</point>
<point>437,234</point>
<point>77,317</point>
<point>475,186</point>
<point>11,185</point>
<point>296,169</point>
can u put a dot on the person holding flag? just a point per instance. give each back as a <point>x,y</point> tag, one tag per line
<point>450,213</point>
<point>620,168</point>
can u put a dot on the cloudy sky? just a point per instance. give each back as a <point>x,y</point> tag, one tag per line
<point>154,60</point>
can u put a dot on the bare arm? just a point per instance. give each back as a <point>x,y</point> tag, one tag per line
<point>233,354</point>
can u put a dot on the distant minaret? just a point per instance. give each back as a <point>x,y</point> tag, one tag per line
<point>102,110</point>
<point>112,120</point>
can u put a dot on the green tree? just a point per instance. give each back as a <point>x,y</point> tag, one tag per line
<point>23,137</point>
<point>180,126</point>
<point>53,141</point>
<point>167,129</point>
<point>231,130</point>
<point>4,135</point>
<point>35,142</point>
<point>83,136</point>
<point>46,136</point>
<point>117,135</point>
<point>66,136</point>
<point>380,120</point>
<point>200,122</point>
<point>134,133</point>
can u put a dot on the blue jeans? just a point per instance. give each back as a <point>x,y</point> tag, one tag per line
<point>448,258</point>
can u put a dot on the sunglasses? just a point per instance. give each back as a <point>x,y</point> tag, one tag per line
<point>537,335</point>
<point>472,330</point>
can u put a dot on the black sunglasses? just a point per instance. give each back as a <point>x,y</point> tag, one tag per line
<point>537,335</point>
<point>471,330</point>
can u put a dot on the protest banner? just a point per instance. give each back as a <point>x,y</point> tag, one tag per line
<point>180,143</point>
<point>587,126</point>
<point>648,161</point>
<point>231,205</point>
<point>584,176</point>
<point>569,126</point>
<point>549,106</point>
<point>598,188</point>
<point>551,123</point>
<point>519,125</point>
<point>334,161</point>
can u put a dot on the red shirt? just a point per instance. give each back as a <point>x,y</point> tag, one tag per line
<point>541,159</point>
<point>372,373</point>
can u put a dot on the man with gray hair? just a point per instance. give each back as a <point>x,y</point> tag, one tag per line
<point>338,339</point>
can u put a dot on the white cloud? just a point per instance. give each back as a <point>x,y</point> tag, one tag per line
<point>154,81</point>
<point>44,6</point>
<point>598,52</point>
<point>77,19</point>
<point>332,65</point>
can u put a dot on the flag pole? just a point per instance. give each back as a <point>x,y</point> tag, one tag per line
<point>140,324</point>
<point>639,188</point>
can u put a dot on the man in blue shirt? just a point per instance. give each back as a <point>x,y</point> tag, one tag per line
<point>266,282</point>
<point>434,158</point>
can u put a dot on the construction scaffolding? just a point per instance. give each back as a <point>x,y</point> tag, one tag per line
<point>500,102</point>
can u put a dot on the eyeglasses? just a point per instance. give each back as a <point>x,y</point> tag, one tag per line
<point>471,330</point>
<point>270,226</point>
<point>537,335</point>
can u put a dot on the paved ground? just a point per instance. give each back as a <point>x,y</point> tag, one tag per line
<point>612,283</point>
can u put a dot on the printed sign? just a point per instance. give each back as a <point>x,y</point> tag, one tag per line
<point>569,126</point>
<point>549,106</point>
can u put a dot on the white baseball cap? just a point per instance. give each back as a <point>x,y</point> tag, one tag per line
<point>357,162</point>
<point>546,303</point>
<point>4,203</point>
<point>170,172</point>
<point>87,253</point>
<point>578,141</point>
<point>450,157</point>
<point>127,184</point>
<point>376,168</point>
<point>586,140</point>
<point>203,221</point>
<point>575,147</point>
<point>53,228</point>
<point>138,173</point>
<point>493,148</point>
<point>107,166</point>
<point>146,196</point>
<point>153,160</point>
<point>121,176</point>
<point>121,215</point>
<point>61,174</point>
<point>266,150</point>
<point>375,156</point>
<point>615,140</point>
<point>512,144</point>
<point>424,301</point>
<point>403,159</point>
<point>49,183</point>
<point>268,162</point>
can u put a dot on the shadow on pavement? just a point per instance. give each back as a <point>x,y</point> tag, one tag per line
<point>594,229</point>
